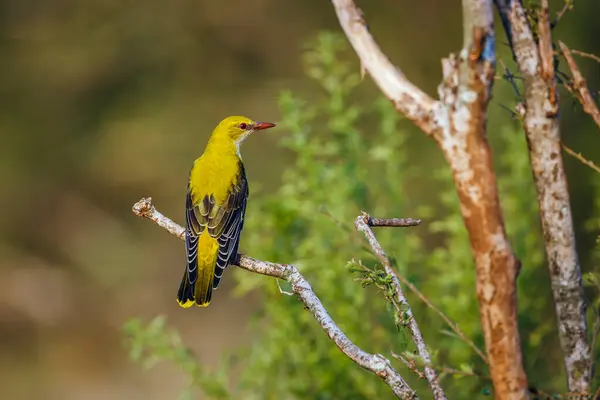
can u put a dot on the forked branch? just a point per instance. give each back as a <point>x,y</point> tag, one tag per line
<point>583,93</point>
<point>375,363</point>
<point>363,224</point>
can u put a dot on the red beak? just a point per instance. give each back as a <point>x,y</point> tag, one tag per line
<point>263,125</point>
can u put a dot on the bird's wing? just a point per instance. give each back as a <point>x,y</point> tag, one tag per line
<point>224,223</point>
<point>193,229</point>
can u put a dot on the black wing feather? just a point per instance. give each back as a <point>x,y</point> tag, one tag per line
<point>224,223</point>
<point>192,230</point>
<point>229,238</point>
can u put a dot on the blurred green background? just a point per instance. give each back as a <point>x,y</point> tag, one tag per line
<point>108,101</point>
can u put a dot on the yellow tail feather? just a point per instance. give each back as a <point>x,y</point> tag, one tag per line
<point>200,292</point>
<point>185,295</point>
<point>208,247</point>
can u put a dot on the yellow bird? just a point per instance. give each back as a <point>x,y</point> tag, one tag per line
<point>215,207</point>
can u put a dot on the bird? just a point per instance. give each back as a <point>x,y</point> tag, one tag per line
<point>215,208</point>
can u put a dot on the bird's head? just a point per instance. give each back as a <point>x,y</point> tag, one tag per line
<point>238,128</point>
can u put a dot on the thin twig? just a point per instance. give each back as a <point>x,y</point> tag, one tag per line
<point>504,10</point>
<point>567,7</point>
<point>545,44</point>
<point>584,95</point>
<point>597,394</point>
<point>281,290</point>
<point>410,364</point>
<point>375,363</point>
<point>567,84</point>
<point>447,320</point>
<point>442,369</point>
<point>362,225</point>
<point>513,113</point>
<point>510,78</point>
<point>586,55</point>
<point>454,371</point>
<point>581,158</point>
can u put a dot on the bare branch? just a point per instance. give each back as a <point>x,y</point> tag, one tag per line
<point>411,101</point>
<point>362,225</point>
<point>375,363</point>
<point>583,93</point>
<point>144,208</point>
<point>542,129</point>
<point>410,364</point>
<point>511,78</point>
<point>414,365</point>
<point>568,6</point>
<point>394,222</point>
<point>586,55</point>
<point>582,159</point>
<point>545,42</point>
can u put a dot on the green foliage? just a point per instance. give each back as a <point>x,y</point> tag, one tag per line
<point>343,165</point>
<point>308,222</point>
<point>385,283</point>
<point>154,342</point>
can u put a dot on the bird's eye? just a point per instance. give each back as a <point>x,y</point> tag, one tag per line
<point>243,126</point>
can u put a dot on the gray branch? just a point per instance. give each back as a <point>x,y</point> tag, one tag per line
<point>394,222</point>
<point>458,123</point>
<point>362,224</point>
<point>410,100</point>
<point>580,86</point>
<point>542,128</point>
<point>375,363</point>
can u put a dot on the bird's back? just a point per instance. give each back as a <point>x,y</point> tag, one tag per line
<point>215,209</point>
<point>214,173</point>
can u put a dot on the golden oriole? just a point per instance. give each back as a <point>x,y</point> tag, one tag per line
<point>215,207</point>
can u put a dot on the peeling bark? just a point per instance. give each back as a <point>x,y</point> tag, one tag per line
<point>541,123</point>
<point>466,91</point>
